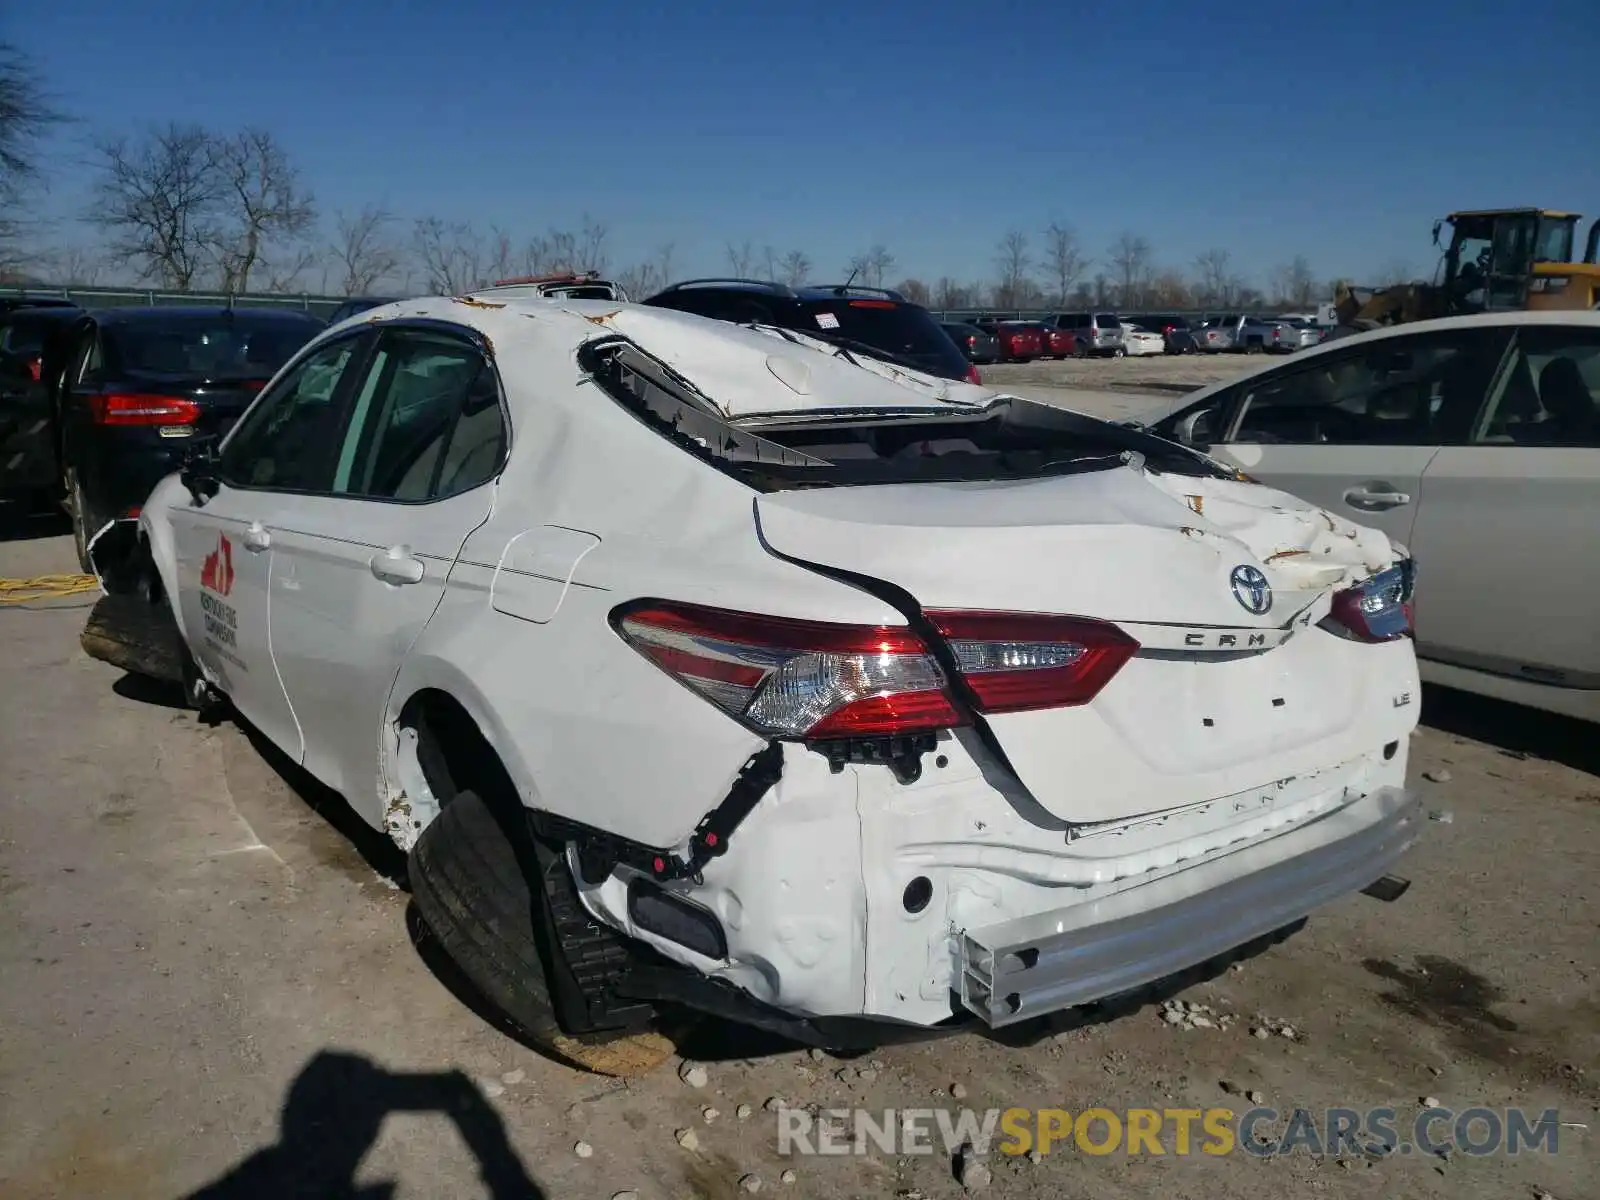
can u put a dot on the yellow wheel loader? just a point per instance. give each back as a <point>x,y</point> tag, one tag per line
<point>1497,259</point>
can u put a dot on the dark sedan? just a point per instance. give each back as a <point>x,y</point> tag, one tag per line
<point>142,383</point>
<point>1174,331</point>
<point>30,342</point>
<point>977,344</point>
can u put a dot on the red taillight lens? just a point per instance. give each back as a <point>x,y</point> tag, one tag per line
<point>1378,610</point>
<point>35,367</point>
<point>1013,662</point>
<point>797,679</point>
<point>814,680</point>
<point>972,374</point>
<point>123,408</point>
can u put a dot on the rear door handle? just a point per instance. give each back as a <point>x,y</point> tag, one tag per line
<point>256,538</point>
<point>397,565</point>
<point>1376,497</point>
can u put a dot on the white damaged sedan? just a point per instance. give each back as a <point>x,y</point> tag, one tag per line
<point>722,667</point>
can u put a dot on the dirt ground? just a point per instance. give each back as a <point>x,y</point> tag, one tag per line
<point>1153,373</point>
<point>206,978</point>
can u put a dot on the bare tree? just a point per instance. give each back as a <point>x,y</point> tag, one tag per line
<point>1012,261</point>
<point>79,265</point>
<point>1064,258</point>
<point>1167,289</point>
<point>915,291</point>
<point>648,277</point>
<point>451,255</point>
<point>1212,269</point>
<point>583,249</point>
<point>1083,294</point>
<point>499,258</point>
<point>363,249</point>
<point>1130,257</point>
<point>949,293</point>
<point>1293,283</point>
<point>27,115</point>
<point>287,272</point>
<point>263,205</point>
<point>591,246</point>
<point>871,267</point>
<point>741,259</point>
<point>795,268</point>
<point>156,200</point>
<point>771,264</point>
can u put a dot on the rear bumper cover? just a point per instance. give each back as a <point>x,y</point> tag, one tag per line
<point>1033,965</point>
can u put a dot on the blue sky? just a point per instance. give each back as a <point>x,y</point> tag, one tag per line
<point>1337,130</point>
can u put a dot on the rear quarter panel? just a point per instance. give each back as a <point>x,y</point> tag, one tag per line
<point>588,728</point>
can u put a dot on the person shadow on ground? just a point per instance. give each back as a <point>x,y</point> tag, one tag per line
<point>331,1119</point>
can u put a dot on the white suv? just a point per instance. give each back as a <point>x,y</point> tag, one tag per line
<point>714,666</point>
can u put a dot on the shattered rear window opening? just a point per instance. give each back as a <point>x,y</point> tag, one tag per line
<point>1011,438</point>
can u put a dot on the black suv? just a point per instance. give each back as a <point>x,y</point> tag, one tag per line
<point>876,322</point>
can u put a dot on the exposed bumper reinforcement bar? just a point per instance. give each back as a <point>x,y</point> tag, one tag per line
<point>1025,968</point>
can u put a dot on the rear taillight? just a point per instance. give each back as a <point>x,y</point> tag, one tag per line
<point>1378,610</point>
<point>972,374</point>
<point>123,408</point>
<point>35,367</point>
<point>814,680</point>
<point>1013,662</point>
<point>796,679</point>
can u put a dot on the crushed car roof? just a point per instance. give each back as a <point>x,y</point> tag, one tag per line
<point>744,371</point>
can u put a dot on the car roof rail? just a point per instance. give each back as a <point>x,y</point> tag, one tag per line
<point>766,285</point>
<point>852,289</point>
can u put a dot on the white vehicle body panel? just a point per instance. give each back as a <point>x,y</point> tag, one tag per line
<point>1482,520</point>
<point>1196,755</point>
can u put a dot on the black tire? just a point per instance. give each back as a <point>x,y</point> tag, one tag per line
<point>470,887</point>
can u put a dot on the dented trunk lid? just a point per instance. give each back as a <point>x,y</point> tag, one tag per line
<point>1182,722</point>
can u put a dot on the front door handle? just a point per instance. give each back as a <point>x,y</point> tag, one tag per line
<point>397,565</point>
<point>1375,497</point>
<point>256,538</point>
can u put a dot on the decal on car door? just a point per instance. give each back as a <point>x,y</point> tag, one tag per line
<point>221,619</point>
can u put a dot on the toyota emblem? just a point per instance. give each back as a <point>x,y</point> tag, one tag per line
<point>1251,589</point>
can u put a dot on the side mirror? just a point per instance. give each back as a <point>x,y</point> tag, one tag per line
<point>199,471</point>
<point>1194,431</point>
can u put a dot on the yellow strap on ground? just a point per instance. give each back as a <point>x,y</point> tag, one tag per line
<point>46,587</point>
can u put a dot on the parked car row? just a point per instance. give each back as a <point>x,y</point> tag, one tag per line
<point>1249,333</point>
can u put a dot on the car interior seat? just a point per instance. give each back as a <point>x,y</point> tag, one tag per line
<point>1565,396</point>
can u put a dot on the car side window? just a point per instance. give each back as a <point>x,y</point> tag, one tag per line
<point>86,362</point>
<point>284,441</point>
<point>1401,391</point>
<point>1549,392</point>
<point>426,422</point>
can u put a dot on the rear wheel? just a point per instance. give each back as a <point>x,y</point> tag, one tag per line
<point>473,877</point>
<point>1119,352</point>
